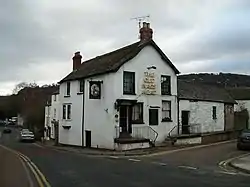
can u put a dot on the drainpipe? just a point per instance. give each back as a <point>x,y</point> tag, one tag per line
<point>83,103</point>
<point>178,113</point>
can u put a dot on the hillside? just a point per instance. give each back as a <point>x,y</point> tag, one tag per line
<point>29,102</point>
<point>221,79</point>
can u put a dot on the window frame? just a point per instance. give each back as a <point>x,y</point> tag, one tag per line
<point>132,86</point>
<point>54,113</point>
<point>167,119</point>
<point>68,89</point>
<point>214,112</point>
<point>149,116</point>
<point>81,86</point>
<point>67,111</point>
<point>164,86</point>
<point>140,120</point>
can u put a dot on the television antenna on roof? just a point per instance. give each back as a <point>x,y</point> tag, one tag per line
<point>140,19</point>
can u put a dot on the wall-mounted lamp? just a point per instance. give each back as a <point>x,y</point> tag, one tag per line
<point>151,67</point>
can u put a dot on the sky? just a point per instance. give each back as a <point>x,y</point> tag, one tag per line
<point>39,38</point>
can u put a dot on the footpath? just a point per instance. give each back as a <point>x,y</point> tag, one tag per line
<point>242,163</point>
<point>106,152</point>
<point>12,171</point>
<point>161,149</point>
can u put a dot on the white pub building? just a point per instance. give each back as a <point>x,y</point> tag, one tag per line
<point>121,100</point>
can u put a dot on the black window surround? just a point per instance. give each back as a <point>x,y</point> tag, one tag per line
<point>165,85</point>
<point>166,111</point>
<point>214,112</point>
<point>137,113</point>
<point>153,116</point>
<point>81,86</point>
<point>129,83</point>
<point>67,94</point>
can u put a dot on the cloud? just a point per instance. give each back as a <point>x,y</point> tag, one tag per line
<point>38,38</point>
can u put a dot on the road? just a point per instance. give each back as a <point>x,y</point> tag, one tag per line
<point>205,158</point>
<point>11,167</point>
<point>199,167</point>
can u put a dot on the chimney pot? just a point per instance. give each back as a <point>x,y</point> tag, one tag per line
<point>77,60</point>
<point>144,24</point>
<point>146,33</point>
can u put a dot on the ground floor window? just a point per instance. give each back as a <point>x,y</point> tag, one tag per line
<point>166,111</point>
<point>137,113</point>
<point>67,111</point>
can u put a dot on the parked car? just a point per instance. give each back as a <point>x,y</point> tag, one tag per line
<point>25,130</point>
<point>6,130</point>
<point>2,123</point>
<point>244,140</point>
<point>26,135</point>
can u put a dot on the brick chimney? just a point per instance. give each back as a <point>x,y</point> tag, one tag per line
<point>146,33</point>
<point>77,60</point>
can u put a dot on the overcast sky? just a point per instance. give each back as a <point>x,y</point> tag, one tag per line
<point>39,38</point>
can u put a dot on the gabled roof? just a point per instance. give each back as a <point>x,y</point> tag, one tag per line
<point>203,92</point>
<point>111,62</point>
<point>240,93</point>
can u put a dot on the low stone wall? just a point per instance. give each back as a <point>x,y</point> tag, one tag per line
<point>219,136</point>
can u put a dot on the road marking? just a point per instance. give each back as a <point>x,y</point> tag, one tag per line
<point>33,171</point>
<point>115,157</point>
<point>38,145</point>
<point>31,184</point>
<point>222,165</point>
<point>37,170</point>
<point>226,172</point>
<point>225,162</point>
<point>185,149</point>
<point>33,168</point>
<point>159,163</point>
<point>188,167</point>
<point>134,160</point>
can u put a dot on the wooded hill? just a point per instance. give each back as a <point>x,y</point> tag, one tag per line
<point>30,102</point>
<point>221,79</point>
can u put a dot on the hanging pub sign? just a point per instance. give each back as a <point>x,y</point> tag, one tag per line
<point>95,90</point>
<point>149,83</point>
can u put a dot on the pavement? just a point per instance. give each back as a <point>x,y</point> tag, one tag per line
<point>189,167</point>
<point>106,152</point>
<point>242,163</point>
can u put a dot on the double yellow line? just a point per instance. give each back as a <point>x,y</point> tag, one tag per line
<point>223,164</point>
<point>40,178</point>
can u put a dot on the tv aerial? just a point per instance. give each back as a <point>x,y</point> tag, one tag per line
<point>140,19</point>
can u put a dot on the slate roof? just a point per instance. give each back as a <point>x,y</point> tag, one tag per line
<point>203,92</point>
<point>111,62</point>
<point>240,93</point>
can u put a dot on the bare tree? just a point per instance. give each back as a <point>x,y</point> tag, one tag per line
<point>22,85</point>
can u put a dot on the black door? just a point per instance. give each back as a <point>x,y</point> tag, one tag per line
<point>185,122</point>
<point>125,119</point>
<point>56,131</point>
<point>88,138</point>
